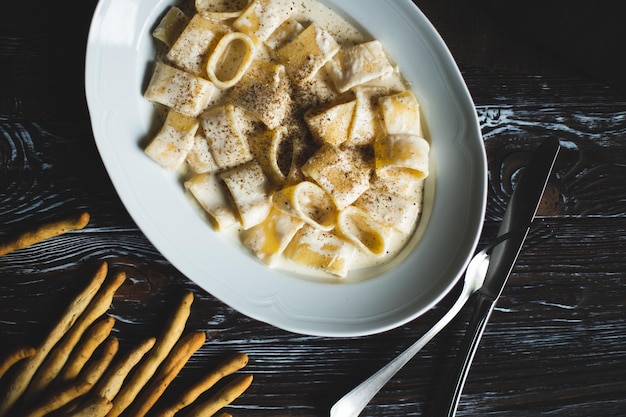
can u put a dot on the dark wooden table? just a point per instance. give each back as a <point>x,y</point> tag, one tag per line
<point>556,343</point>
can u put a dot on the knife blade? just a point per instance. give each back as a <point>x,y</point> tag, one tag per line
<point>513,230</point>
<point>518,216</point>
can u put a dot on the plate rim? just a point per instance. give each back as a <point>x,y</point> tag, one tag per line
<point>268,309</point>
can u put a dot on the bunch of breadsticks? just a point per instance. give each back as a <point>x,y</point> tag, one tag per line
<point>79,369</point>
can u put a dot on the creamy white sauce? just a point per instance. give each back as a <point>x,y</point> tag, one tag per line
<point>346,35</point>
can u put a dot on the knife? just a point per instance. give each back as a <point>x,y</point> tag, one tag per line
<point>513,230</point>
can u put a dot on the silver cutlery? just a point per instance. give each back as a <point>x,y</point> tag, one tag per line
<point>485,276</point>
<point>518,216</point>
<point>351,404</point>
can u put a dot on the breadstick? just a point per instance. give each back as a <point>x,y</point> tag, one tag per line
<point>94,407</point>
<point>57,359</point>
<point>92,374</point>
<point>15,356</point>
<point>222,398</point>
<point>176,360</point>
<point>229,366</point>
<point>111,382</point>
<point>172,332</point>
<point>93,338</point>
<point>45,232</point>
<point>59,398</point>
<point>95,370</point>
<point>22,378</point>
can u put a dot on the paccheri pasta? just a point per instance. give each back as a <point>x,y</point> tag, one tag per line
<point>292,129</point>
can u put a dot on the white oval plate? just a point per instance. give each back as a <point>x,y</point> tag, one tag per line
<point>120,51</point>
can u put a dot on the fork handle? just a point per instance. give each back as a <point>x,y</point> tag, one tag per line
<point>450,393</point>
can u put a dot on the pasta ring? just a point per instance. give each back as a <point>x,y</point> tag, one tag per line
<point>321,250</point>
<point>402,155</point>
<point>268,239</point>
<point>212,196</point>
<point>308,202</point>
<point>220,55</point>
<point>266,148</point>
<point>361,230</point>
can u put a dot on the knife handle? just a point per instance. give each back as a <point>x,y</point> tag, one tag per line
<point>450,393</point>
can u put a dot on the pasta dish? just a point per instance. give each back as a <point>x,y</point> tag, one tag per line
<point>292,129</point>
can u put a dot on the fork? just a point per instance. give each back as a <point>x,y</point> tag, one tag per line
<point>351,404</point>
